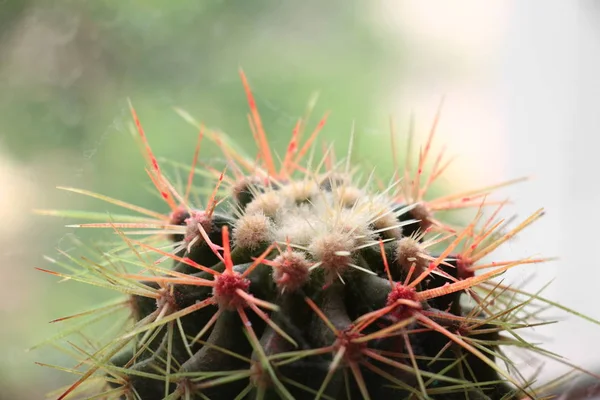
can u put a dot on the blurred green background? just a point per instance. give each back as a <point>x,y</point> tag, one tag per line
<point>66,71</point>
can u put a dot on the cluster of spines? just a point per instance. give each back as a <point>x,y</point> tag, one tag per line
<point>309,286</point>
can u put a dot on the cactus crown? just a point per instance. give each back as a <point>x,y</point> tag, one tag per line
<point>304,281</point>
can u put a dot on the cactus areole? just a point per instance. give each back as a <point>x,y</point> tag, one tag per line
<point>301,276</point>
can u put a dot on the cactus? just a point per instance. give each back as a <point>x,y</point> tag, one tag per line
<point>302,279</point>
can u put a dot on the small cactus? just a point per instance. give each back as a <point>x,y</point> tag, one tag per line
<point>303,280</point>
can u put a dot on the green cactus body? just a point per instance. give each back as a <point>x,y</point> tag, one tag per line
<point>305,281</point>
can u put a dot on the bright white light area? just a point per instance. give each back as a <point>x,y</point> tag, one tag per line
<point>522,94</point>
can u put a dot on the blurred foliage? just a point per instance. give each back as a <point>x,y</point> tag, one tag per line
<point>68,67</point>
<point>71,62</point>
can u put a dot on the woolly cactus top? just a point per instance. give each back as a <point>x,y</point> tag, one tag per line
<point>303,279</point>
